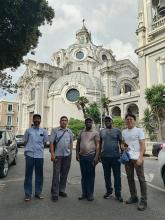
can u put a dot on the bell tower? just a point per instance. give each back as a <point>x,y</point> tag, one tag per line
<point>151,45</point>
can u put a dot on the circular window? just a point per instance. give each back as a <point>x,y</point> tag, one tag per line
<point>80,55</point>
<point>72,95</point>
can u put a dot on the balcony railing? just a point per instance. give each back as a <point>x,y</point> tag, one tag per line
<point>126,95</point>
<point>10,112</point>
<point>159,23</point>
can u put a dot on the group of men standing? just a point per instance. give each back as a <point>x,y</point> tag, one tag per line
<point>92,147</point>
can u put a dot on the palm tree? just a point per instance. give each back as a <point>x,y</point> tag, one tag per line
<point>105,101</point>
<point>155,97</point>
<point>82,101</point>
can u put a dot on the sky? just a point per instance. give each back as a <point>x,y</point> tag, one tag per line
<point>112,23</point>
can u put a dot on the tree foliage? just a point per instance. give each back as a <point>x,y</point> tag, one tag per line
<point>19,28</point>
<point>6,84</point>
<point>82,102</point>
<point>76,126</point>
<point>118,123</point>
<point>105,101</point>
<point>93,112</point>
<point>154,116</point>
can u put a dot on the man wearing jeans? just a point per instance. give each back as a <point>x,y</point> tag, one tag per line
<point>87,153</point>
<point>35,138</point>
<point>135,145</point>
<point>110,143</point>
<point>61,144</point>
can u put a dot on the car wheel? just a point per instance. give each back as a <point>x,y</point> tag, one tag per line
<point>15,160</point>
<point>5,169</point>
<point>163,176</point>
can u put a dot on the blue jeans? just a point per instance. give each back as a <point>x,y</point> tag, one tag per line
<point>37,164</point>
<point>87,175</point>
<point>112,163</point>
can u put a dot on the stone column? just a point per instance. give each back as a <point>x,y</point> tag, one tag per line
<point>149,14</point>
<point>36,98</point>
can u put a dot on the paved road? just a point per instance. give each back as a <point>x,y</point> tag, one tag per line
<point>12,206</point>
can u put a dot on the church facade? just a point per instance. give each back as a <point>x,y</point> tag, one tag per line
<point>151,49</point>
<point>83,69</point>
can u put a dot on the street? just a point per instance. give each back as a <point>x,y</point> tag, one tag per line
<point>12,205</point>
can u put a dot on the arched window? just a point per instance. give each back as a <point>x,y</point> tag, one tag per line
<point>104,57</point>
<point>116,112</point>
<point>133,108</point>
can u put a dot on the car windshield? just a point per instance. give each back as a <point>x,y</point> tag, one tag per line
<point>2,138</point>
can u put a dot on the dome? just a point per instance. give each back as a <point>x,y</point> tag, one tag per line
<point>75,78</point>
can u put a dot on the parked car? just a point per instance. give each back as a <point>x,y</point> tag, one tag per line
<point>20,140</point>
<point>8,151</point>
<point>156,148</point>
<point>161,159</point>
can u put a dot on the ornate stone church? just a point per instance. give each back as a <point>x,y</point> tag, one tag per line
<point>83,69</point>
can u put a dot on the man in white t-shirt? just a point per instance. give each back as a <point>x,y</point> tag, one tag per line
<point>134,143</point>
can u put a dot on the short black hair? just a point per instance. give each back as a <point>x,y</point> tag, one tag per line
<point>89,119</point>
<point>129,114</point>
<point>36,115</point>
<point>64,117</point>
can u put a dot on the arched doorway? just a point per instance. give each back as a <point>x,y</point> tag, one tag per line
<point>133,108</point>
<point>116,112</point>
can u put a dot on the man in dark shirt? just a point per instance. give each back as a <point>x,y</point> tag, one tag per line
<point>110,141</point>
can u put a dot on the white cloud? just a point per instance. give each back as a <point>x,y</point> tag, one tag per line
<point>112,23</point>
<point>122,50</point>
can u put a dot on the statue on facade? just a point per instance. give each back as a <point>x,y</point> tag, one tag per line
<point>122,88</point>
<point>161,8</point>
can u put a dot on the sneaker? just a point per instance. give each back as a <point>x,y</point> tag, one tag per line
<point>27,198</point>
<point>142,205</point>
<point>82,197</point>
<point>132,200</point>
<point>63,194</point>
<point>120,199</point>
<point>90,198</point>
<point>54,198</point>
<point>107,195</point>
<point>39,196</point>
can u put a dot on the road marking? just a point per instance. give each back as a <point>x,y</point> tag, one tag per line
<point>12,180</point>
<point>2,186</point>
<point>149,184</point>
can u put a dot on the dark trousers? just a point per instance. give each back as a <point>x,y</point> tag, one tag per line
<point>30,164</point>
<point>87,175</point>
<point>129,167</point>
<point>112,163</point>
<point>61,168</point>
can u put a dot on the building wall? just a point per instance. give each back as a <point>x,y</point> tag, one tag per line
<point>151,50</point>
<point>4,113</point>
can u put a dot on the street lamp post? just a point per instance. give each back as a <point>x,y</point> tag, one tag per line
<point>101,110</point>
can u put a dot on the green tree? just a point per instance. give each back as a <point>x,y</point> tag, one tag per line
<point>82,102</point>
<point>154,116</point>
<point>93,112</point>
<point>76,126</point>
<point>118,123</point>
<point>19,28</point>
<point>105,101</point>
<point>6,84</point>
<point>148,123</point>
